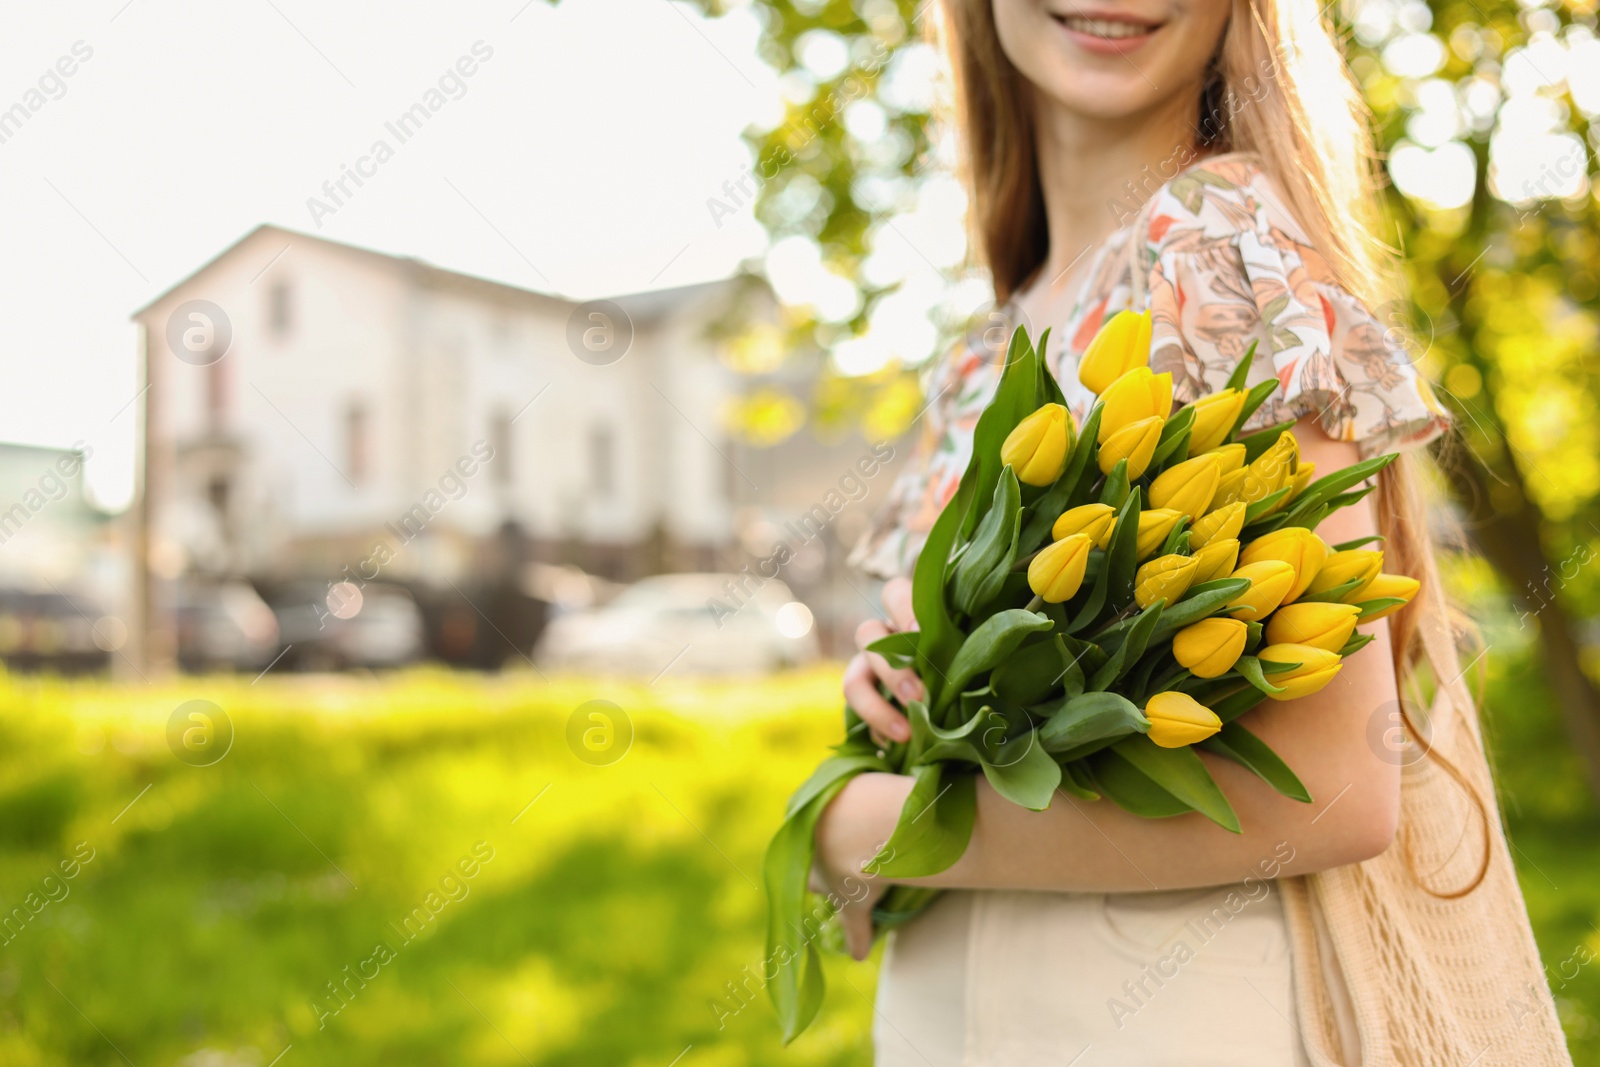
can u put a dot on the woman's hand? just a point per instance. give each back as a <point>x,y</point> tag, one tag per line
<point>866,669</point>
<point>851,832</point>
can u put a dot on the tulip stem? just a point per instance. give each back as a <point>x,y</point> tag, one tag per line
<point>1036,603</point>
<point>1022,564</point>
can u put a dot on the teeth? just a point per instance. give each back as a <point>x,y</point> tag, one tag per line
<point>1104,27</point>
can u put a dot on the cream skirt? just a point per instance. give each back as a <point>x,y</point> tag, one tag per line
<point>1197,978</point>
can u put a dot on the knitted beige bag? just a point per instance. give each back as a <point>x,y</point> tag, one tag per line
<point>1408,959</point>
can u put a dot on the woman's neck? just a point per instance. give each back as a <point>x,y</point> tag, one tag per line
<point>1096,174</point>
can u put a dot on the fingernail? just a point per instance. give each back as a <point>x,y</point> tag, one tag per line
<point>901,731</point>
<point>911,689</point>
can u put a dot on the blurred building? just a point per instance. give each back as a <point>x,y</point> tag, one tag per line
<point>320,411</point>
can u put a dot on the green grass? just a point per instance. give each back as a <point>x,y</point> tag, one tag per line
<point>606,928</point>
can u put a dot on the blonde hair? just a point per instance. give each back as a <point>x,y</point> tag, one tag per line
<point>1309,126</point>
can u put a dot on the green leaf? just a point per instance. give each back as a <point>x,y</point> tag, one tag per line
<point>829,771</point>
<point>1122,555</point>
<point>1115,491</point>
<point>1248,750</point>
<point>1333,595</point>
<point>797,988</point>
<point>1329,486</point>
<point>1356,643</point>
<point>1345,546</point>
<point>1173,443</point>
<point>1015,398</point>
<point>1131,789</point>
<point>1130,649</point>
<point>1370,608</point>
<point>1241,372</point>
<point>934,827</point>
<point>1023,772</point>
<point>1031,673</point>
<point>939,636</point>
<point>900,649</point>
<point>1250,669</point>
<point>1181,773</point>
<point>1075,779</point>
<point>1088,718</point>
<point>1236,704</point>
<point>1177,537</point>
<point>994,639</point>
<point>1200,602</point>
<point>993,549</point>
<point>1252,400</point>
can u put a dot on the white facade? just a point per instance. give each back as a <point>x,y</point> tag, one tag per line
<point>358,388</point>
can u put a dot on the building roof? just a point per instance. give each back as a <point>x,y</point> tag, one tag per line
<point>642,307</point>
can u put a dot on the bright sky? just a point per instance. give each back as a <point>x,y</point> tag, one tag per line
<point>578,161</point>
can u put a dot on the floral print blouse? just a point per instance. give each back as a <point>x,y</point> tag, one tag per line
<point>1220,262</point>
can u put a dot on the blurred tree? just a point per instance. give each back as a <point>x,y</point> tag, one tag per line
<point>1483,109</point>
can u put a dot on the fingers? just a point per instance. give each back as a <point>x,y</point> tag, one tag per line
<point>856,921</point>
<point>902,681</point>
<point>897,602</point>
<point>860,689</point>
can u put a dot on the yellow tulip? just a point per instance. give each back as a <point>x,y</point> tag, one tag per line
<point>1210,647</point>
<point>1216,560</point>
<point>1057,571</point>
<point>1270,580</point>
<point>1154,526</point>
<point>1122,344</point>
<point>1296,546</point>
<point>1317,668</point>
<point>1271,471</point>
<point>1221,524</point>
<point>1135,443</point>
<point>1096,521</point>
<point>1349,565</point>
<point>1390,585</point>
<point>1303,474</point>
<point>1187,486</point>
<point>1229,458</point>
<point>1214,417</point>
<point>1037,449</point>
<point>1326,626</point>
<point>1178,719</point>
<point>1163,578</point>
<point>1139,394</point>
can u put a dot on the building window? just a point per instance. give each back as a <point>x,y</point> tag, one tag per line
<point>602,461</point>
<point>500,441</point>
<point>280,309</point>
<point>357,447</point>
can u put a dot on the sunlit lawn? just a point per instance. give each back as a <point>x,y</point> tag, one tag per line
<point>608,908</point>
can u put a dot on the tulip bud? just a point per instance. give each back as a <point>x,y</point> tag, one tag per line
<point>1137,395</point>
<point>1154,526</point>
<point>1222,524</point>
<point>1317,668</point>
<point>1270,581</point>
<point>1229,457</point>
<point>1216,560</point>
<point>1186,487</point>
<point>1389,585</point>
<point>1214,417</point>
<point>1350,565</point>
<point>1326,626</point>
<point>1096,521</point>
<point>1135,443</point>
<point>1037,449</point>
<point>1271,471</point>
<point>1163,578</point>
<point>1178,719</point>
<point>1303,474</point>
<point>1210,647</point>
<point>1122,344</point>
<point>1296,546</point>
<point>1056,573</point>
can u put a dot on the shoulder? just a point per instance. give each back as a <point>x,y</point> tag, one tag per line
<point>1217,201</point>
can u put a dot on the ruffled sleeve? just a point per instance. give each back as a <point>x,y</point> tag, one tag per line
<point>1228,265</point>
<point>957,391</point>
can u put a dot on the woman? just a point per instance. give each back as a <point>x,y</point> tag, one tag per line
<point>1204,159</point>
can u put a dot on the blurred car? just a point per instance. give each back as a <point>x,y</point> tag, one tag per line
<point>331,627</point>
<point>688,624</point>
<point>50,631</point>
<point>224,625</point>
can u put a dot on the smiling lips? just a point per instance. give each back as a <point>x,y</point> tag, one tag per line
<point>1106,33</point>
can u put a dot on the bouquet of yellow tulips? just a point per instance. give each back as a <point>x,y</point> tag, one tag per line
<point>1094,604</point>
